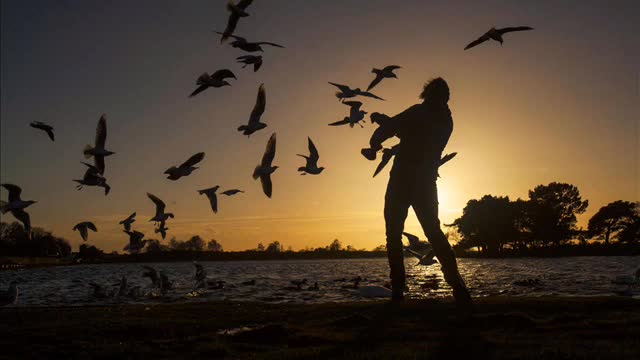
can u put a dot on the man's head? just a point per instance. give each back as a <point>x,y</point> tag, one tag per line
<point>436,90</point>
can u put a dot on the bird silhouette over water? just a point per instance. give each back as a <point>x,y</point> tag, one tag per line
<point>213,198</point>
<point>355,115</point>
<point>216,80</point>
<point>44,127</point>
<point>160,215</point>
<point>254,119</point>
<point>248,46</point>
<point>496,34</point>
<point>347,92</point>
<point>265,168</point>
<point>162,229</point>
<point>385,73</point>
<point>98,152</point>
<point>83,229</point>
<point>128,221</point>
<point>311,167</point>
<point>237,11</point>
<point>255,60</point>
<point>15,205</point>
<point>184,169</point>
<point>93,177</point>
<point>136,242</point>
<point>231,192</point>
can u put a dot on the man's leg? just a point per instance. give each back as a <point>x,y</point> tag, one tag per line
<point>425,204</point>
<point>396,206</point>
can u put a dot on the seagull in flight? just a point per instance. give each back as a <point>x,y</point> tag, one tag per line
<point>346,92</point>
<point>93,177</point>
<point>16,206</point>
<point>496,34</point>
<point>160,215</point>
<point>231,192</point>
<point>10,296</point>
<point>254,119</point>
<point>237,11</point>
<point>83,229</point>
<point>135,242</point>
<point>186,168</point>
<point>254,60</point>
<point>213,198</point>
<point>311,167</point>
<point>216,80</point>
<point>386,72</point>
<point>387,155</point>
<point>128,221</point>
<point>355,115</point>
<point>415,244</point>
<point>425,259</point>
<point>98,151</point>
<point>265,169</point>
<point>162,229</point>
<point>44,127</point>
<point>243,44</point>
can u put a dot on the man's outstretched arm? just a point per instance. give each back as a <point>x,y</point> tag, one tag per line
<point>390,128</point>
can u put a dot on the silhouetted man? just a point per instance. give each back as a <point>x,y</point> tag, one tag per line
<point>424,131</point>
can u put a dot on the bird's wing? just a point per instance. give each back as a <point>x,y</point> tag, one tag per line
<point>341,122</point>
<point>233,36</point>
<point>83,232</point>
<point>386,157</point>
<point>99,161</point>
<point>269,153</point>
<point>343,88</point>
<point>91,226</point>
<point>244,4</point>
<point>23,216</point>
<point>50,133</point>
<point>194,159</point>
<point>412,238</point>
<point>447,157</point>
<point>213,199</point>
<point>223,74</point>
<point>353,104</point>
<point>477,41</point>
<point>101,132</point>
<point>512,29</point>
<point>14,192</point>
<point>130,217</point>
<point>391,68</point>
<point>198,90</point>
<point>246,57</point>
<point>266,184</point>
<point>313,151</point>
<point>268,43</point>
<point>231,27</point>
<point>375,82</point>
<point>257,66</point>
<point>159,203</point>
<point>414,253</point>
<point>368,94</point>
<point>261,103</point>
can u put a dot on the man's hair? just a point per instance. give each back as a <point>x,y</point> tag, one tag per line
<point>435,90</point>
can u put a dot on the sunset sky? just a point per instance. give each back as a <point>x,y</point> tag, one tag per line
<point>560,103</point>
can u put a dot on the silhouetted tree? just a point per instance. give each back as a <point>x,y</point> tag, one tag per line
<point>213,245</point>
<point>89,252</point>
<point>335,245</point>
<point>274,247</point>
<point>380,248</point>
<point>155,246</point>
<point>195,243</point>
<point>612,219</point>
<point>15,241</point>
<point>260,247</point>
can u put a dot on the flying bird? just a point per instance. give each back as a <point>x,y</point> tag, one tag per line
<point>162,229</point>
<point>98,151</point>
<point>213,198</point>
<point>15,205</point>
<point>243,44</point>
<point>92,177</point>
<point>83,229</point>
<point>135,242</point>
<point>311,167</point>
<point>254,60</point>
<point>425,259</point>
<point>496,34</point>
<point>415,244</point>
<point>216,80</point>
<point>355,115</point>
<point>346,92</point>
<point>160,215</point>
<point>386,72</point>
<point>128,221</point>
<point>231,192</point>
<point>237,11</point>
<point>387,155</point>
<point>254,119</point>
<point>44,127</point>
<point>186,168</point>
<point>265,169</point>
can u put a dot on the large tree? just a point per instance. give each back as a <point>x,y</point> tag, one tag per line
<point>214,245</point>
<point>613,219</point>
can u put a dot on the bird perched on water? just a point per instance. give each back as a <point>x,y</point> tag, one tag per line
<point>346,92</point>
<point>98,151</point>
<point>15,205</point>
<point>200,277</point>
<point>136,242</point>
<point>184,169</point>
<point>385,73</point>
<point>237,11</point>
<point>93,177</point>
<point>160,215</point>
<point>83,229</point>
<point>265,168</point>
<point>162,229</point>
<point>159,280</point>
<point>355,115</point>
<point>496,34</point>
<point>216,80</point>
<point>254,119</point>
<point>213,198</point>
<point>231,192</point>
<point>10,296</point>
<point>311,167</point>
<point>128,221</point>
<point>44,127</point>
<point>255,60</point>
<point>243,44</point>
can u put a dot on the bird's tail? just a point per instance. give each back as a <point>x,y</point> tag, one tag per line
<point>242,127</point>
<point>87,151</point>
<point>301,168</point>
<point>4,206</point>
<point>107,188</point>
<point>256,172</point>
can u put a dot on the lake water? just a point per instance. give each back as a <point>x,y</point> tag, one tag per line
<point>572,276</point>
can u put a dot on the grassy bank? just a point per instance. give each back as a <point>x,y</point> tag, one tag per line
<point>501,328</point>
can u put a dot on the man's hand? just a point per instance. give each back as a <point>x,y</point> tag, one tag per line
<point>369,153</point>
